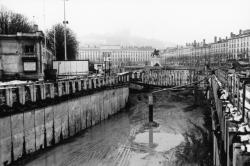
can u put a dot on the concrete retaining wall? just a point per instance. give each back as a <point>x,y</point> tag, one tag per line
<point>27,132</point>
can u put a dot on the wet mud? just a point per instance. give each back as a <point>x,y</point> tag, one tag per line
<point>181,137</point>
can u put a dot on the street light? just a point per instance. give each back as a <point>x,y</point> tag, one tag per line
<point>65,22</point>
<point>55,42</point>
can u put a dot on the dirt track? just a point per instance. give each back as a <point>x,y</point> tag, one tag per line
<point>124,139</point>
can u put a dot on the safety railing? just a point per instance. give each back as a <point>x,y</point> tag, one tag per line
<point>35,92</point>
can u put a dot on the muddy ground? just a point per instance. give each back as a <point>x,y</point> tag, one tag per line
<point>182,137</point>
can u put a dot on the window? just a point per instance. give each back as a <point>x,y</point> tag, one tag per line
<point>29,49</point>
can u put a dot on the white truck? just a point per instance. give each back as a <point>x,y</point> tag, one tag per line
<point>71,67</point>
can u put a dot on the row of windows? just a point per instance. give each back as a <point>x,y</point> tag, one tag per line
<point>205,52</point>
<point>115,52</point>
<point>239,40</point>
<point>232,43</point>
<point>97,54</point>
<point>121,56</point>
<point>92,57</point>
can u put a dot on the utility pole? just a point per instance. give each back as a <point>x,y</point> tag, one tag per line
<point>65,22</point>
<point>55,42</point>
<point>45,36</point>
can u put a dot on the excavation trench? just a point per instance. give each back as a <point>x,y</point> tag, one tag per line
<point>182,137</point>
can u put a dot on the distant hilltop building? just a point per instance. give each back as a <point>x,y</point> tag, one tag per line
<point>119,55</point>
<point>22,56</point>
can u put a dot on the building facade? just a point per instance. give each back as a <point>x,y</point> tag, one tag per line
<point>22,56</point>
<point>235,47</point>
<point>118,55</point>
<point>168,56</point>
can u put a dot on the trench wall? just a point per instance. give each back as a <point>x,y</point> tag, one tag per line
<point>27,132</point>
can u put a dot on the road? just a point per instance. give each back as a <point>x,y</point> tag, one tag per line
<point>125,140</point>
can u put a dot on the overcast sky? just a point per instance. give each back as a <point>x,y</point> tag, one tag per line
<point>177,21</point>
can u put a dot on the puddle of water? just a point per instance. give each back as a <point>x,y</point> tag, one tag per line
<point>163,141</point>
<point>154,148</point>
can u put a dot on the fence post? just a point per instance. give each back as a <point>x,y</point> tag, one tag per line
<point>59,86</point>
<point>67,87</point>
<point>52,90</point>
<point>9,98</point>
<point>79,85</point>
<point>90,83</point>
<point>99,82</point>
<point>21,92</point>
<point>94,83</point>
<point>85,84</point>
<point>32,92</point>
<point>42,91</point>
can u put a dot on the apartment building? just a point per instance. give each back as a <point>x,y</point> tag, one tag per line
<point>236,46</point>
<point>22,56</point>
<point>118,55</point>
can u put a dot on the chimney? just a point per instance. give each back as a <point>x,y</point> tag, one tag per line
<point>240,32</point>
<point>215,39</point>
<point>204,41</point>
<point>231,34</point>
<point>219,38</point>
<point>35,28</point>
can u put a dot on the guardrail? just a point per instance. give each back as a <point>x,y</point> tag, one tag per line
<point>164,77</point>
<point>232,118</point>
<point>41,91</point>
<point>21,94</point>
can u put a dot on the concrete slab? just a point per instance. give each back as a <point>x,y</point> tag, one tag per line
<point>49,120</point>
<point>39,128</point>
<point>65,119</point>
<point>17,135</point>
<point>72,105</point>
<point>5,140</point>
<point>78,115</point>
<point>83,111</point>
<point>58,116</point>
<point>94,109</point>
<point>100,106</point>
<point>88,111</point>
<point>105,106</point>
<point>29,132</point>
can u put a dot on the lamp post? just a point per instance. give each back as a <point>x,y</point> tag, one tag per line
<point>65,22</point>
<point>55,42</point>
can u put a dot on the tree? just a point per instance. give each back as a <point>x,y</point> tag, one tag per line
<point>11,23</point>
<point>72,43</point>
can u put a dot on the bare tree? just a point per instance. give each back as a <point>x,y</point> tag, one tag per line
<point>11,23</point>
<point>58,43</point>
